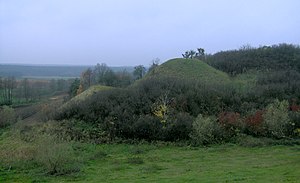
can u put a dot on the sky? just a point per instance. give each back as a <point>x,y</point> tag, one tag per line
<point>134,32</point>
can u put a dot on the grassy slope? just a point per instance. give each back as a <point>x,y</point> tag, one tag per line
<point>92,90</point>
<point>153,163</point>
<point>190,69</point>
<point>87,93</point>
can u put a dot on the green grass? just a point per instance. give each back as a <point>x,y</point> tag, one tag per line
<point>190,69</point>
<point>168,163</point>
<point>214,164</point>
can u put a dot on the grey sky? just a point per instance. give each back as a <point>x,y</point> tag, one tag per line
<point>132,32</point>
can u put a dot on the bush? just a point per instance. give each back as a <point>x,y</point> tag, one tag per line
<point>148,128</point>
<point>254,123</point>
<point>57,158</point>
<point>295,119</point>
<point>178,127</point>
<point>276,119</point>
<point>7,116</point>
<point>205,130</point>
<point>231,123</point>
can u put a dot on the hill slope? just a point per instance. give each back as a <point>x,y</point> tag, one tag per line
<point>86,94</point>
<point>189,69</point>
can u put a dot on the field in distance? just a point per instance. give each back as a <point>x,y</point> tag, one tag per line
<point>48,71</point>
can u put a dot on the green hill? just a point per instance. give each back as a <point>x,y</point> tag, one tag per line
<point>92,90</point>
<point>189,69</point>
<point>84,95</point>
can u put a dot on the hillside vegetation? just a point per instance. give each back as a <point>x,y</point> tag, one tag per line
<point>280,57</point>
<point>183,99</point>
<point>120,126</point>
<point>89,92</point>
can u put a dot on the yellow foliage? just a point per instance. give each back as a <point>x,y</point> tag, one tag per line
<point>160,111</point>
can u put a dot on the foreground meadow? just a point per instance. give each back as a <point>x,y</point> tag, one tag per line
<point>153,163</point>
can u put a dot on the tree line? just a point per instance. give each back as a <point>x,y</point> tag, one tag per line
<point>247,58</point>
<point>101,74</point>
<point>18,91</point>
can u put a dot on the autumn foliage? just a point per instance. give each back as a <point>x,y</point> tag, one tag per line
<point>254,123</point>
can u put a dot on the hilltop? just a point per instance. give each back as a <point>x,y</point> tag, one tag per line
<point>190,69</point>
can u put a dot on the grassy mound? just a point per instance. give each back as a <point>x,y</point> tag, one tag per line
<point>190,69</point>
<point>89,92</point>
<point>86,94</point>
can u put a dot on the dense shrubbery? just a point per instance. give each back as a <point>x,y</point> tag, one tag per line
<point>136,112</point>
<point>129,113</point>
<point>164,107</point>
<point>276,57</point>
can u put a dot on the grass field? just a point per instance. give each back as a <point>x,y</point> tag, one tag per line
<point>168,163</point>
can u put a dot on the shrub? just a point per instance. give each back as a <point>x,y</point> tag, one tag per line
<point>82,131</point>
<point>57,158</point>
<point>231,123</point>
<point>205,130</point>
<point>295,119</point>
<point>147,127</point>
<point>178,127</point>
<point>254,123</point>
<point>276,119</point>
<point>7,116</point>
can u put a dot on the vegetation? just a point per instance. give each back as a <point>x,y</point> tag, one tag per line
<point>129,126</point>
<point>165,163</point>
<point>25,91</point>
<point>276,57</point>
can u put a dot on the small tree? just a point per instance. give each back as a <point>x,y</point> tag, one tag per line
<point>86,78</point>
<point>205,130</point>
<point>74,87</point>
<point>189,54</point>
<point>200,54</point>
<point>154,64</point>
<point>186,55</point>
<point>276,119</point>
<point>139,71</point>
<point>192,54</point>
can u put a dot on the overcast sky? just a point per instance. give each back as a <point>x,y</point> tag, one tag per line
<point>132,32</point>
